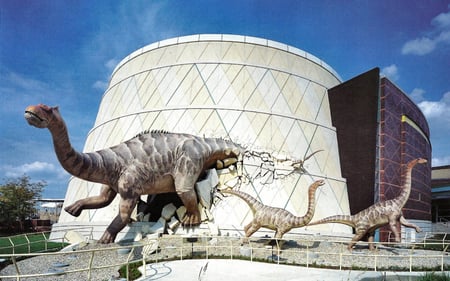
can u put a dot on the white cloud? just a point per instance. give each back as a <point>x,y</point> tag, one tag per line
<point>391,72</point>
<point>111,64</point>
<point>432,109</point>
<point>440,34</point>
<point>419,46</point>
<point>134,25</point>
<point>444,37</point>
<point>441,107</point>
<point>417,95</point>
<point>442,20</point>
<point>37,168</point>
<point>19,88</point>
<point>438,117</point>
<point>437,109</point>
<point>23,90</point>
<point>100,85</point>
<point>435,162</point>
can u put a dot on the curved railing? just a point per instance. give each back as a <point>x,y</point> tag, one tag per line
<point>304,250</point>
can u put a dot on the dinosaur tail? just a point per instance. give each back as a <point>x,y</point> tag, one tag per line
<point>342,219</point>
<point>251,202</point>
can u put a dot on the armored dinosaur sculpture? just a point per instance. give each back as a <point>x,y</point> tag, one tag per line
<point>150,163</point>
<point>275,218</point>
<point>380,214</point>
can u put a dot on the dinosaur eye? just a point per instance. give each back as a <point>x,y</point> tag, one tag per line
<point>46,107</point>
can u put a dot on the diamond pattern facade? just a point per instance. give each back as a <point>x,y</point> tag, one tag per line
<point>256,92</point>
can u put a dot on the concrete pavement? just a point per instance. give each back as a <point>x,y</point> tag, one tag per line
<point>239,270</point>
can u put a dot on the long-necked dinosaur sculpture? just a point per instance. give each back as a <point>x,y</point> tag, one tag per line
<point>380,214</point>
<point>150,163</point>
<point>275,218</point>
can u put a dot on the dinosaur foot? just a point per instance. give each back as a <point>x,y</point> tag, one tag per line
<point>74,209</point>
<point>107,238</point>
<point>191,219</point>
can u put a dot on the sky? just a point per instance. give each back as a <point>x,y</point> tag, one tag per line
<point>63,53</point>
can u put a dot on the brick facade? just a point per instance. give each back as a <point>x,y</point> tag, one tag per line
<point>379,130</point>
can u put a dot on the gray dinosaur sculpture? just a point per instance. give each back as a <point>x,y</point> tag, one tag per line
<point>278,219</point>
<point>150,163</point>
<point>379,214</point>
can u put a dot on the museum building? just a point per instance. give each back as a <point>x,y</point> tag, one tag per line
<point>379,129</point>
<point>270,97</point>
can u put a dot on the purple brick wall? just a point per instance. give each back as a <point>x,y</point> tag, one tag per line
<point>399,143</point>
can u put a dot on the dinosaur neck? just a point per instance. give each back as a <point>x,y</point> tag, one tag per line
<point>404,195</point>
<point>74,162</point>
<point>254,204</point>
<point>301,221</point>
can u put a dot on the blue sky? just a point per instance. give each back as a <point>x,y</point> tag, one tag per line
<point>63,52</point>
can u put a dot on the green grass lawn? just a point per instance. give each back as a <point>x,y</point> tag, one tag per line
<point>28,243</point>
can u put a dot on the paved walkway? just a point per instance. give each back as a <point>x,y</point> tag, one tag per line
<point>238,270</point>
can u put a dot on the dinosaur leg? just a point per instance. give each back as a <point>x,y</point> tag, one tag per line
<point>358,236</point>
<point>105,198</point>
<point>126,207</point>
<point>251,228</point>
<point>184,185</point>
<point>394,229</point>
<point>189,199</point>
<point>278,235</point>
<point>128,186</point>
<point>370,240</point>
<point>406,223</point>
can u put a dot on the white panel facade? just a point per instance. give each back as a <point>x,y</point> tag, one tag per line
<point>250,90</point>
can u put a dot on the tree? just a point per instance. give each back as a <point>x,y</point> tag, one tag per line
<point>17,201</point>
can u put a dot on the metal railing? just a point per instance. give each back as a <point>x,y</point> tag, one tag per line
<point>89,268</point>
<point>308,251</point>
<point>36,238</point>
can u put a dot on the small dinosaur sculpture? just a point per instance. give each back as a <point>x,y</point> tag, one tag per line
<point>275,218</point>
<point>150,163</point>
<point>379,214</point>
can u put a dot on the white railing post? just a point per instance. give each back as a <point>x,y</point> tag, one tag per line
<point>28,243</point>
<point>376,260</point>
<point>90,264</point>
<point>410,259</point>
<point>231,249</point>
<point>128,261</point>
<point>307,255</point>
<point>13,258</point>
<point>442,259</point>
<point>181,252</point>
<point>45,241</point>
<point>12,245</point>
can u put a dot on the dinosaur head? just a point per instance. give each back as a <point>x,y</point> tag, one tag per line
<point>412,163</point>
<point>41,115</point>
<point>316,184</point>
<point>422,161</point>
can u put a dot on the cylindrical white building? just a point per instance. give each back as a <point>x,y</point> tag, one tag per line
<point>256,92</point>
